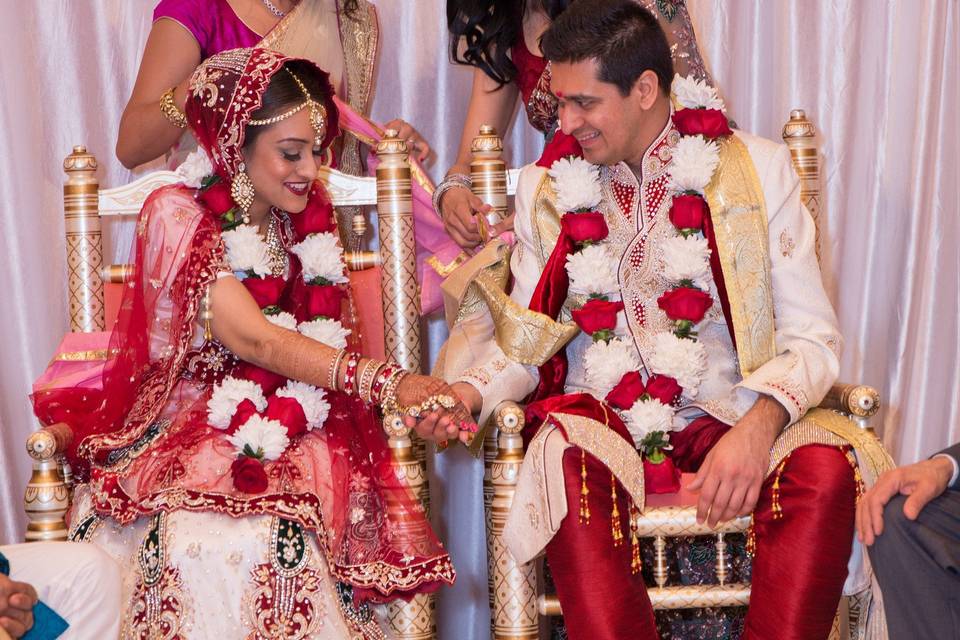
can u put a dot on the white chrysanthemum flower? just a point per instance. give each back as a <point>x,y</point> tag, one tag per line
<point>227,395</point>
<point>680,358</point>
<point>694,160</point>
<point>686,258</point>
<point>195,168</point>
<point>593,271</point>
<point>322,257</point>
<point>283,319</point>
<point>695,94</point>
<point>247,251</point>
<point>266,438</point>
<point>577,184</point>
<point>606,362</point>
<point>311,399</point>
<point>647,416</point>
<point>329,332</point>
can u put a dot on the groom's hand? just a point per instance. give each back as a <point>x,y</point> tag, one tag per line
<point>730,478</point>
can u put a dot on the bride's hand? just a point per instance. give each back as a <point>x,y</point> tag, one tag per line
<point>441,424</point>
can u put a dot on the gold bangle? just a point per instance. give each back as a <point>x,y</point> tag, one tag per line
<point>171,111</point>
<point>370,369</point>
<point>334,370</point>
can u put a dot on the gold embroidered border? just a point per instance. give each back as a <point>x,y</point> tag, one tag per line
<point>738,211</point>
<point>444,270</point>
<point>545,219</point>
<point>608,447</point>
<point>89,355</point>
<point>820,426</point>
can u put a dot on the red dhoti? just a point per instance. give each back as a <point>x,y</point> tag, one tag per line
<point>799,566</point>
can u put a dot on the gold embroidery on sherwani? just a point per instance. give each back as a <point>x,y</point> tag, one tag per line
<point>604,444</point>
<point>738,212</point>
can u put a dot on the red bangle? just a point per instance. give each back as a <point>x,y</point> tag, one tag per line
<point>388,371</point>
<point>350,375</point>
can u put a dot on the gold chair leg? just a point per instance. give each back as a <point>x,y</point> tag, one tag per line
<point>47,496</point>
<point>515,585</point>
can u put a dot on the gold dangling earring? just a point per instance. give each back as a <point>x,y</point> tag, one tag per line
<point>241,190</point>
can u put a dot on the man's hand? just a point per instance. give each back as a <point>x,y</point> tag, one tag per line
<point>920,482</point>
<point>16,606</point>
<point>730,478</point>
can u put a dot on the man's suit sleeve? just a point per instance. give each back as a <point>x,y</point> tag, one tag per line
<point>953,453</point>
<point>493,374</point>
<point>806,334</point>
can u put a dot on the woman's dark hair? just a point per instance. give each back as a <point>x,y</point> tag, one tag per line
<point>283,94</point>
<point>623,37</point>
<point>489,28</point>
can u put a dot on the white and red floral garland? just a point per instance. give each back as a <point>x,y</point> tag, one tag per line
<point>262,412</point>
<point>677,361</point>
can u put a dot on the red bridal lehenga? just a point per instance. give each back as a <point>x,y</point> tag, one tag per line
<point>332,529</point>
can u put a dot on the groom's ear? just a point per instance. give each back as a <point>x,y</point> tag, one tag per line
<point>646,89</point>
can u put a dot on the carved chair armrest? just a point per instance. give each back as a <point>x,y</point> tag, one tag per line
<point>49,442</point>
<point>856,400</point>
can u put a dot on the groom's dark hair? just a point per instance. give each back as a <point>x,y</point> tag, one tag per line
<point>624,38</point>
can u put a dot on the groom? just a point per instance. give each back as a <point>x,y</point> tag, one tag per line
<point>688,261</point>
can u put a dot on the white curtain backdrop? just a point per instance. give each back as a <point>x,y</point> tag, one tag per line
<point>880,80</point>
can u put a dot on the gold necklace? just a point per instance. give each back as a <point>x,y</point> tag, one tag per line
<point>278,254</point>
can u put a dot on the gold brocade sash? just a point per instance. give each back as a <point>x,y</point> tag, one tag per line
<point>820,426</point>
<point>525,336</point>
<point>739,215</point>
<point>545,219</point>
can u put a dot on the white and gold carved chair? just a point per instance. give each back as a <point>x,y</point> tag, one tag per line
<point>517,596</point>
<point>93,298</point>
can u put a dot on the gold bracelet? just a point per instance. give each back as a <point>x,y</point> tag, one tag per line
<point>370,369</point>
<point>171,111</point>
<point>334,369</point>
<point>389,404</point>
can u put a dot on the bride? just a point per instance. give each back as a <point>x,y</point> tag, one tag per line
<point>234,462</point>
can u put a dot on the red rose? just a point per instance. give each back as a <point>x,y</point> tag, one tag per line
<point>684,303</point>
<point>248,475</point>
<point>663,388</point>
<point>244,410</point>
<point>265,291</point>
<point>660,477</point>
<point>584,227</point>
<point>316,218</point>
<point>217,198</point>
<point>268,380</point>
<point>325,300</point>
<point>560,146</point>
<point>627,391</point>
<point>597,315</point>
<point>288,412</point>
<point>710,123</point>
<point>688,212</point>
